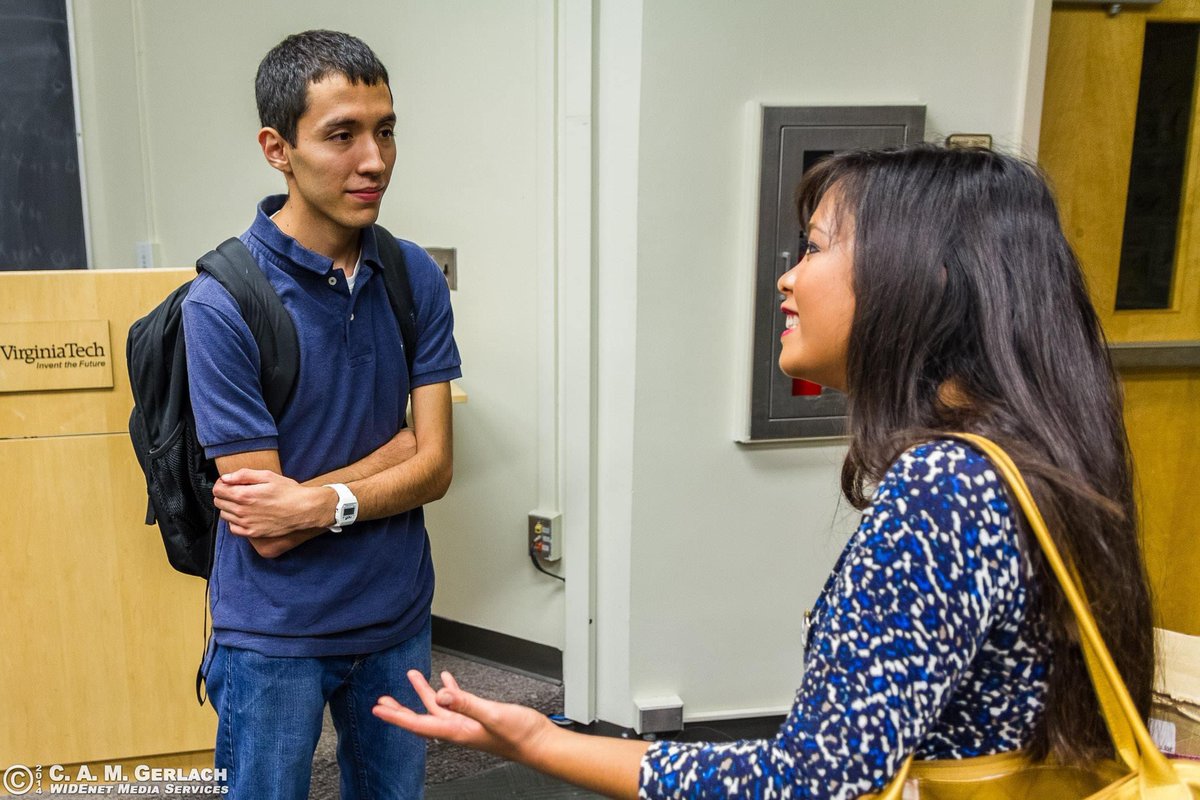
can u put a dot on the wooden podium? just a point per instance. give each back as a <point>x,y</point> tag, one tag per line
<point>99,638</point>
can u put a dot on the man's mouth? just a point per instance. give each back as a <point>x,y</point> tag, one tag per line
<point>370,194</point>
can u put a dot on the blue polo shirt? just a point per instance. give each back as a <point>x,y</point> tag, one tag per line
<point>371,586</point>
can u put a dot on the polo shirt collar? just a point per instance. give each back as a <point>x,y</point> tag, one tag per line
<point>292,252</point>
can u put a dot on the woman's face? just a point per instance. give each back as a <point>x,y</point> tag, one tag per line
<point>818,300</point>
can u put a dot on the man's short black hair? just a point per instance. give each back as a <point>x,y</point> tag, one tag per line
<point>281,86</point>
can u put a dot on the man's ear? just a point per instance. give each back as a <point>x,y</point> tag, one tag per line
<point>275,149</point>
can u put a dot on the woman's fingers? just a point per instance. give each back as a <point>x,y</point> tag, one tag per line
<point>426,725</point>
<point>424,691</point>
<point>454,699</point>
<point>387,709</point>
<point>450,703</point>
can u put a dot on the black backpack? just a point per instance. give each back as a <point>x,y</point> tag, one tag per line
<point>179,479</point>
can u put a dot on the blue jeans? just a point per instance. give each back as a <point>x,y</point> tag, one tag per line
<point>269,712</point>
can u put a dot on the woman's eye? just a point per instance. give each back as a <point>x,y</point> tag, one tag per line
<point>807,248</point>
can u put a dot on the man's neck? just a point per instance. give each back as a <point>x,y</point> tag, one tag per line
<point>331,240</point>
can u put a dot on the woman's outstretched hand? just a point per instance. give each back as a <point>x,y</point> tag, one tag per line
<point>606,765</point>
<point>504,729</point>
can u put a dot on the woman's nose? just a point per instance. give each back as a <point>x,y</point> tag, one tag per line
<point>787,280</point>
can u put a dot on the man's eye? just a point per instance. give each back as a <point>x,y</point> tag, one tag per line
<point>387,133</point>
<point>341,136</point>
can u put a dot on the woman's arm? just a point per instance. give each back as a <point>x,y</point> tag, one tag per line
<point>601,764</point>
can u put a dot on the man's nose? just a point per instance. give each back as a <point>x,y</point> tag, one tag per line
<point>372,159</point>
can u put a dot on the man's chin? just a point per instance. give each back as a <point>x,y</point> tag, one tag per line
<point>362,218</point>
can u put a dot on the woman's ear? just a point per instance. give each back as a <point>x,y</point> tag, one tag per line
<point>275,149</point>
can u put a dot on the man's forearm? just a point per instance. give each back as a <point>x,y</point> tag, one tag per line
<point>408,471</point>
<point>419,480</point>
<point>277,514</point>
<point>395,451</point>
<point>391,480</point>
<point>426,476</point>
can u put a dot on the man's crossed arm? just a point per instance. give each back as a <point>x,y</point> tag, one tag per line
<point>277,513</point>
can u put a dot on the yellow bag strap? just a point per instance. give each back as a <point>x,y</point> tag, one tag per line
<point>1132,740</point>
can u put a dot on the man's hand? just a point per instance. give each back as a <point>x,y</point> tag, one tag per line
<point>261,504</point>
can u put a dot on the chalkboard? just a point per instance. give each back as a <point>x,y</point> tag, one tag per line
<point>41,205</point>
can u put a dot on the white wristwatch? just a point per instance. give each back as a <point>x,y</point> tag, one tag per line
<point>347,507</point>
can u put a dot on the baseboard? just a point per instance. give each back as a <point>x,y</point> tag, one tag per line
<point>480,644</point>
<point>728,730</point>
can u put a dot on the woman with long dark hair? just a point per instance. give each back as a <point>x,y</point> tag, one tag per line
<point>937,290</point>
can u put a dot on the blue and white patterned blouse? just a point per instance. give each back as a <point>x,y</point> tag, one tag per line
<point>923,640</point>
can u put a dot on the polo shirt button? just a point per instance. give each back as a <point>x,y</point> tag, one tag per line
<point>352,318</point>
<point>332,281</point>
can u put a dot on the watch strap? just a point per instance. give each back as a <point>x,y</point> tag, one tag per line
<point>346,511</point>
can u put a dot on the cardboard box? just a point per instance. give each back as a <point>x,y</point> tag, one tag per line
<point>1175,717</point>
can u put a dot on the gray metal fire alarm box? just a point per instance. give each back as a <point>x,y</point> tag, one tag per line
<point>793,139</point>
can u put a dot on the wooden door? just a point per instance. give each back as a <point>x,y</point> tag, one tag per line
<point>1102,71</point>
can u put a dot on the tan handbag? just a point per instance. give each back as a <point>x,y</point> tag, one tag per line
<point>1139,770</point>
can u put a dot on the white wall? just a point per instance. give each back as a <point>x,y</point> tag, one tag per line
<point>170,126</point>
<point>730,545</point>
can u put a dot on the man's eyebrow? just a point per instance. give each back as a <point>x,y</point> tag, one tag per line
<point>350,122</point>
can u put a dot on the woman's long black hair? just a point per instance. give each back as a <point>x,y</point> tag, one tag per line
<point>972,314</point>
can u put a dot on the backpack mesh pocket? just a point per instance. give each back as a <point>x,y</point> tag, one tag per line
<point>181,481</point>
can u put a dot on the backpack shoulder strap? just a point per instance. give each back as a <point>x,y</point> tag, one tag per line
<point>399,289</point>
<point>269,322</point>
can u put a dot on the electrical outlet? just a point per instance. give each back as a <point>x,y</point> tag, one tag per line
<point>145,255</point>
<point>545,535</point>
